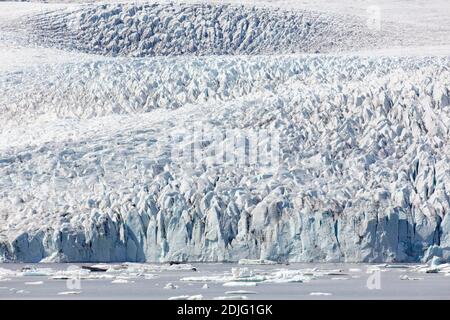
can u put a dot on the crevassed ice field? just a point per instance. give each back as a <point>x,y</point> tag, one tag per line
<point>98,98</point>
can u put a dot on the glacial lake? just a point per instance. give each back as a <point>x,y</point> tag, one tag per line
<point>223,281</point>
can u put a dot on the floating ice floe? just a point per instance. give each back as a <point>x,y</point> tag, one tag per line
<point>142,268</point>
<point>320,294</point>
<point>36,272</point>
<point>406,277</point>
<point>256,262</point>
<point>240,284</point>
<point>6,272</point>
<point>187,297</point>
<point>34,283</point>
<point>441,268</point>
<point>247,277</point>
<point>240,292</point>
<point>170,286</point>
<point>66,293</point>
<point>236,297</point>
<point>196,297</point>
<point>323,272</point>
<point>184,297</point>
<point>121,281</point>
<point>397,266</point>
<point>372,269</point>
<point>99,268</point>
<point>22,292</point>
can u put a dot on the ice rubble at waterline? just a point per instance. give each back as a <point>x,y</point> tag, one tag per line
<point>130,273</point>
<point>363,172</point>
<point>118,273</point>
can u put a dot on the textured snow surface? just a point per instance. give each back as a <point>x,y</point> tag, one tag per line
<point>173,29</point>
<point>87,171</point>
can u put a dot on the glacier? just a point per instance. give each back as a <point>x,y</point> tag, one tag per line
<point>87,172</point>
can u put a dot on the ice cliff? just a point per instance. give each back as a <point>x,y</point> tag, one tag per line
<point>87,171</point>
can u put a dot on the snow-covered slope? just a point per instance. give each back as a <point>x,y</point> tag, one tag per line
<point>87,165</point>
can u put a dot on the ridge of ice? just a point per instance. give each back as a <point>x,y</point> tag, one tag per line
<point>165,29</point>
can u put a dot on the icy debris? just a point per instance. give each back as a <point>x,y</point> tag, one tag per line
<point>240,284</point>
<point>354,270</point>
<point>234,297</point>
<point>34,283</point>
<point>406,277</point>
<point>373,269</point>
<point>256,262</point>
<point>187,297</point>
<point>241,273</point>
<point>430,270</point>
<point>219,279</point>
<point>36,272</point>
<point>436,261</point>
<point>22,292</point>
<point>205,286</point>
<point>170,286</point>
<point>140,268</point>
<point>66,293</point>
<point>184,297</point>
<point>121,281</point>
<point>320,294</point>
<point>433,268</point>
<point>397,266</point>
<point>95,277</point>
<point>330,272</point>
<point>286,276</point>
<point>196,297</point>
<point>104,267</point>
<point>95,268</point>
<point>246,277</point>
<point>6,272</point>
<point>240,292</point>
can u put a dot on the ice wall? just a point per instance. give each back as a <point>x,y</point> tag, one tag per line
<point>87,171</point>
<point>363,172</point>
